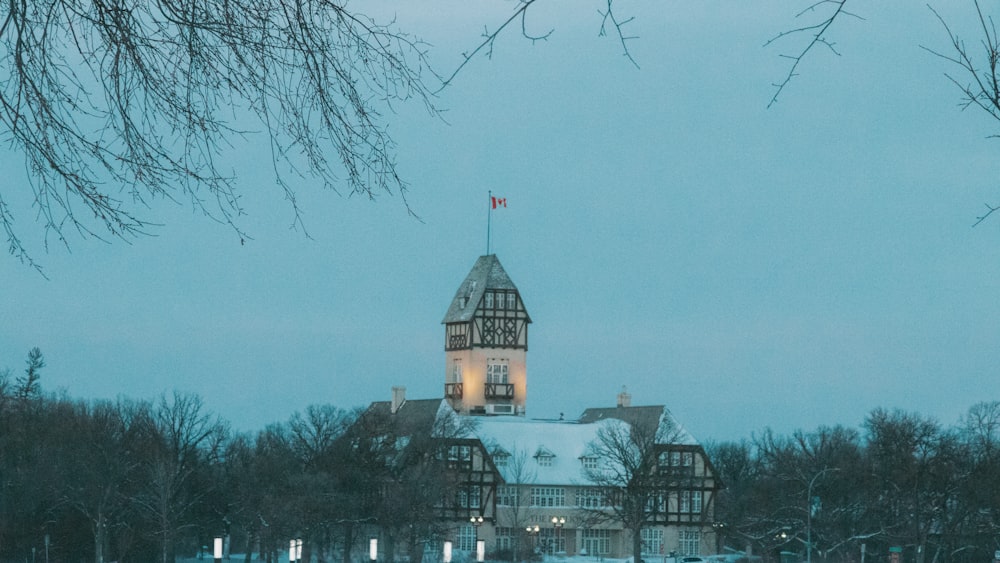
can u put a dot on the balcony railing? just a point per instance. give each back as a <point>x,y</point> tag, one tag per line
<point>499,390</point>
<point>453,390</point>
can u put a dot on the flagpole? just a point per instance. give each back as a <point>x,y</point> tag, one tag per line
<point>489,218</point>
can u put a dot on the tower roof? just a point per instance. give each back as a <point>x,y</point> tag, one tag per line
<point>487,273</point>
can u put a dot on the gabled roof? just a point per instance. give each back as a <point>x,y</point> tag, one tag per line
<point>487,273</point>
<point>417,417</point>
<point>566,442</point>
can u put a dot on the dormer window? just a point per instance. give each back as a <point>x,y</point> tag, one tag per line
<point>544,457</point>
<point>501,458</point>
<point>589,462</point>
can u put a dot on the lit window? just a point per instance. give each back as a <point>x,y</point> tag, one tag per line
<point>496,371</point>
<point>456,371</point>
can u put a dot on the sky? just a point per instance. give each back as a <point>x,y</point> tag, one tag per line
<point>749,267</point>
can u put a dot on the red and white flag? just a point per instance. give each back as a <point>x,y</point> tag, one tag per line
<point>498,201</point>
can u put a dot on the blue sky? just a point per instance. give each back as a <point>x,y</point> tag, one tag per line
<point>748,267</point>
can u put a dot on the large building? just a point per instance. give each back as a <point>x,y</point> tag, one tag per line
<point>555,486</point>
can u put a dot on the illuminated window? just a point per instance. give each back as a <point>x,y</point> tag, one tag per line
<point>496,371</point>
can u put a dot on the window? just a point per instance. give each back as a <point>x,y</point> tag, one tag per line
<point>548,496</point>
<point>501,459</point>
<point>652,541</point>
<point>456,370</point>
<point>589,462</point>
<point>544,460</point>
<point>507,495</point>
<point>656,503</point>
<point>590,497</point>
<point>677,462</point>
<point>466,538</point>
<point>689,542</point>
<point>489,300</point>
<point>459,457</point>
<point>475,496</point>
<point>496,371</point>
<point>690,502</point>
<point>504,537</point>
<point>552,541</point>
<point>512,300</point>
<point>597,542</point>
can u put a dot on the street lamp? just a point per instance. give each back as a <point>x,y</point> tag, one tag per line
<point>533,531</point>
<point>557,522</point>
<point>476,522</point>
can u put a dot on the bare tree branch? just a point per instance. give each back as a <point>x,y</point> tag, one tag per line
<point>609,15</point>
<point>817,33</point>
<point>982,88</point>
<point>116,104</point>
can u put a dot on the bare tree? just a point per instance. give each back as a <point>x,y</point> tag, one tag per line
<point>183,439</point>
<point>629,452</point>
<point>115,104</point>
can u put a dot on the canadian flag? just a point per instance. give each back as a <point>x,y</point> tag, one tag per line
<point>498,201</point>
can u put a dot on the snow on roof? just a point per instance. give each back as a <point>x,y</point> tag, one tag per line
<point>566,441</point>
<point>487,273</point>
<point>523,439</point>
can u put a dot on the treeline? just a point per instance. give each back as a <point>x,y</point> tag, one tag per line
<point>146,481</point>
<point>903,483</point>
<point>149,481</point>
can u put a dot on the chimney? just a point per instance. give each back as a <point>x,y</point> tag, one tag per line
<point>398,398</point>
<point>624,399</point>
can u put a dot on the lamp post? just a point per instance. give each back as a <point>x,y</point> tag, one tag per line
<point>720,540</point>
<point>533,531</point>
<point>476,522</point>
<point>557,523</point>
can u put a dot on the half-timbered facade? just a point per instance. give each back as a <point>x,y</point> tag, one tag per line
<point>486,343</point>
<point>549,501</point>
<point>527,485</point>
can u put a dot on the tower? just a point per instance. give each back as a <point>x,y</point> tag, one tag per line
<point>486,343</point>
